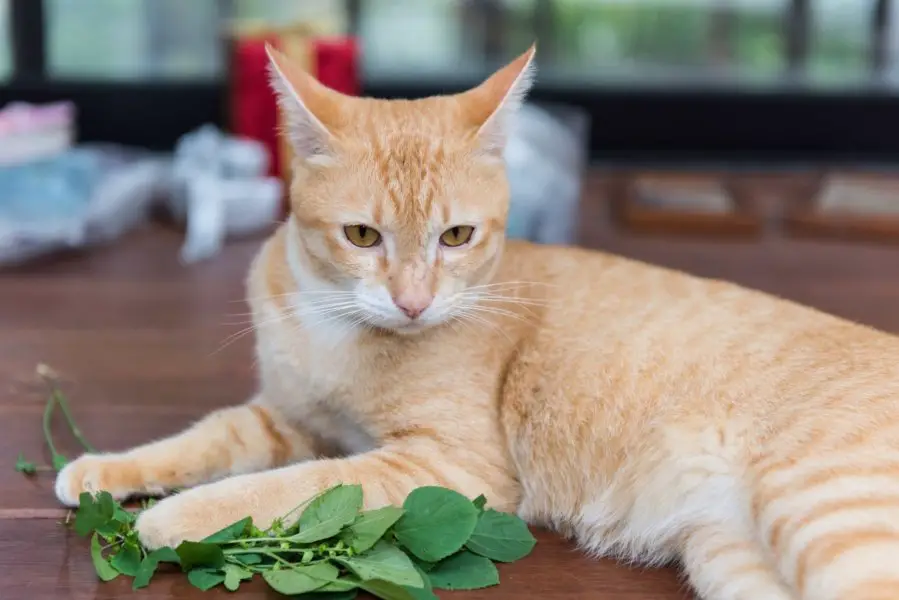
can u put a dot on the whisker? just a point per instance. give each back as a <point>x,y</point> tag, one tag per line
<point>498,298</point>
<point>331,293</point>
<point>492,310</point>
<point>465,314</point>
<point>239,334</point>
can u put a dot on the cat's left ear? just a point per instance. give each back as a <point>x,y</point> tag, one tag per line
<point>491,106</point>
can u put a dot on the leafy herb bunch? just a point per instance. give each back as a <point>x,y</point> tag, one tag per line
<point>438,539</point>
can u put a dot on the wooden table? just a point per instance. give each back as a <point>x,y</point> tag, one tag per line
<point>136,336</point>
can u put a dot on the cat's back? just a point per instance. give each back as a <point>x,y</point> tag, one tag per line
<point>620,325</point>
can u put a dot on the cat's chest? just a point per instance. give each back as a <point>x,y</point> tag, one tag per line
<point>315,381</point>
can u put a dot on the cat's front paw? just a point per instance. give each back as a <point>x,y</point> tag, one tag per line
<point>172,521</point>
<point>95,473</point>
<point>192,515</point>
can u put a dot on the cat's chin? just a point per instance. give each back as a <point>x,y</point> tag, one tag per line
<point>411,328</point>
<point>407,328</point>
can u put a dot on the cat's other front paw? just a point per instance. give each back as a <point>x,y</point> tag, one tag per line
<point>197,513</point>
<point>95,473</point>
<point>172,521</point>
<point>191,515</point>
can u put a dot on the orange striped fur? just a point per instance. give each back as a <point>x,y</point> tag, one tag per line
<point>646,413</point>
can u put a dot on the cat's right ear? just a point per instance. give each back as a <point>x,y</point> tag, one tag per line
<point>307,106</point>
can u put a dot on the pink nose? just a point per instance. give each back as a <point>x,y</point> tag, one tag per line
<point>413,306</point>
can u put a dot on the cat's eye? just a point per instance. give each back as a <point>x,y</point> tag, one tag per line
<point>362,235</point>
<point>457,236</point>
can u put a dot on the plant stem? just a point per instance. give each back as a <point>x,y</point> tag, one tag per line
<point>76,431</point>
<point>255,540</point>
<point>56,395</point>
<point>48,437</point>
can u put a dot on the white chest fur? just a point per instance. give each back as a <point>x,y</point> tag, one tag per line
<point>309,379</point>
<point>308,359</point>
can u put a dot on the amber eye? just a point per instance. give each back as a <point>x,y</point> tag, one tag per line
<point>362,235</point>
<point>457,236</point>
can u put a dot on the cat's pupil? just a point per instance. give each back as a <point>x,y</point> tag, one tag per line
<point>362,231</point>
<point>455,231</point>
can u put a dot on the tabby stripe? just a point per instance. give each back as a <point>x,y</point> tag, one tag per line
<point>281,450</point>
<point>823,552</point>
<point>788,526</point>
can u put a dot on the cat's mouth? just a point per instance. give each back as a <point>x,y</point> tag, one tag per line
<point>401,325</point>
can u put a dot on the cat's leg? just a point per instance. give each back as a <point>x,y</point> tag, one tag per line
<point>230,441</point>
<point>387,475</point>
<point>724,563</point>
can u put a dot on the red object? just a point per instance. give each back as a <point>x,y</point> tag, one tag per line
<point>336,63</point>
<point>254,108</point>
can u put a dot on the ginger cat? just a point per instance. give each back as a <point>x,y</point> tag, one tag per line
<point>648,414</point>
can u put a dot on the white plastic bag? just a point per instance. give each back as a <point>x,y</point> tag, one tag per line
<point>546,156</point>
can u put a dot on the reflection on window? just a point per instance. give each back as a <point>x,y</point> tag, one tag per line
<point>411,38</point>
<point>672,36</point>
<point>327,14</point>
<point>599,41</point>
<point>5,41</point>
<point>840,40</point>
<point>134,39</point>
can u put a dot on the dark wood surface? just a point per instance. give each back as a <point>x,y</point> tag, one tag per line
<point>137,338</point>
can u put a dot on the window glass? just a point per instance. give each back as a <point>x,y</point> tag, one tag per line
<point>134,39</point>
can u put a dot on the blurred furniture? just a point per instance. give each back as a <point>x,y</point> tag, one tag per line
<point>860,205</point>
<point>683,202</point>
<point>850,205</point>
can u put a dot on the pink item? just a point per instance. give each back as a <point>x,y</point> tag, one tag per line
<point>29,132</point>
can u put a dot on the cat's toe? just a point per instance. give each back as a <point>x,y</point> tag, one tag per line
<point>93,473</point>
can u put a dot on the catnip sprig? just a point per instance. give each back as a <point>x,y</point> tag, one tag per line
<point>438,539</point>
<point>54,399</point>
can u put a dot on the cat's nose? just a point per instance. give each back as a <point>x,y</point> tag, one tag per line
<point>413,305</point>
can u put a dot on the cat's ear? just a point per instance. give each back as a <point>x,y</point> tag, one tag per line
<point>491,106</point>
<point>310,109</point>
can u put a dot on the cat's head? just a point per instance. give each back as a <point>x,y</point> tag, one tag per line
<point>398,208</point>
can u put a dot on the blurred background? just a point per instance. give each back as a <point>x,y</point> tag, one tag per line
<point>722,118</point>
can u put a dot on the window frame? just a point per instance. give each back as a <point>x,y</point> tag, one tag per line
<point>652,124</point>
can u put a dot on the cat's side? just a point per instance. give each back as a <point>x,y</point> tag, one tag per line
<point>649,414</point>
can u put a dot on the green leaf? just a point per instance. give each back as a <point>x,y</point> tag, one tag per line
<point>501,537</point>
<point>59,462</point>
<point>205,579</point>
<point>423,565</point>
<point>101,565</point>
<point>327,514</point>
<point>234,574</point>
<point>391,591</point>
<point>437,522</point>
<point>93,512</point>
<point>149,565</point>
<point>384,562</point>
<point>319,595</point>
<point>25,466</point>
<point>200,554</point>
<point>370,526</point>
<point>120,515</point>
<point>464,571</point>
<point>127,561</point>
<point>247,559</point>
<point>229,533</point>
<point>300,579</point>
<point>480,502</point>
<point>338,585</point>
